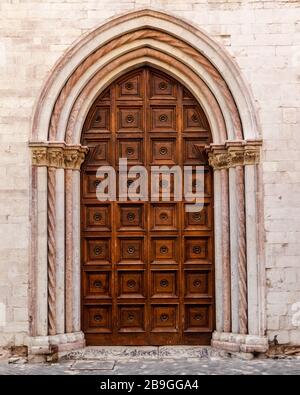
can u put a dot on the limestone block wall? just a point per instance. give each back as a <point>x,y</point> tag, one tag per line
<point>264,39</point>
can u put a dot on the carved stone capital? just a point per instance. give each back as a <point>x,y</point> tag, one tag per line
<point>73,158</point>
<point>219,161</point>
<point>234,153</point>
<point>55,157</point>
<point>252,155</point>
<point>39,156</point>
<point>58,155</point>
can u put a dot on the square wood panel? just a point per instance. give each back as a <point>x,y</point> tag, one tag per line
<point>164,318</point>
<point>163,118</point>
<point>164,250</point>
<point>197,283</point>
<point>90,183</point>
<point>129,88</point>
<point>131,149</point>
<point>198,183</point>
<point>199,220</point>
<point>131,284</point>
<point>97,217</point>
<point>163,151</point>
<point>131,318</point>
<point>97,284</point>
<point>130,119</point>
<point>164,284</point>
<point>164,186</point>
<point>131,184</point>
<point>131,250</point>
<point>98,319</point>
<point>197,318</point>
<point>162,88</point>
<point>97,251</point>
<point>163,216</point>
<point>197,249</point>
<point>130,216</point>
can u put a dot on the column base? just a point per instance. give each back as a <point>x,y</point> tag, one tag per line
<point>238,343</point>
<point>50,348</point>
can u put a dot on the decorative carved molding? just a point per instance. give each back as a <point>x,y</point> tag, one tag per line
<point>234,153</point>
<point>130,38</point>
<point>84,96</point>
<point>58,155</point>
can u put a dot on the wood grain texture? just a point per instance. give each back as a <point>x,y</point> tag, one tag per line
<point>147,267</point>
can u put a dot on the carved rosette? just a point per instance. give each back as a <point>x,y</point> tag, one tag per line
<point>58,155</point>
<point>234,153</point>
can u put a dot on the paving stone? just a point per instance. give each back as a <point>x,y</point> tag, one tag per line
<point>93,365</point>
<point>164,366</point>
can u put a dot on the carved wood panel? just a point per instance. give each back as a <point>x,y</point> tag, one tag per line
<point>147,266</point>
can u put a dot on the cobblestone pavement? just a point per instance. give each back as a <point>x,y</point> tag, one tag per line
<point>209,366</point>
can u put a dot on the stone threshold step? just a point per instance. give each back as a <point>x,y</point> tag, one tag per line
<point>142,352</point>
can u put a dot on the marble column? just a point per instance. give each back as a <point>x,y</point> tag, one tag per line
<point>69,251</point>
<point>252,249</point>
<point>234,250</point>
<point>242,263</point>
<point>218,250</point>
<point>41,301</point>
<point>225,251</point>
<point>76,252</point>
<point>60,251</point>
<point>51,210</point>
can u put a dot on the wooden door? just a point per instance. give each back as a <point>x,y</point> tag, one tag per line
<point>147,266</point>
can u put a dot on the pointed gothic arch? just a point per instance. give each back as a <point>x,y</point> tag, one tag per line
<point>209,72</point>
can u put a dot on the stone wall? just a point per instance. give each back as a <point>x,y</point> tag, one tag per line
<point>264,39</point>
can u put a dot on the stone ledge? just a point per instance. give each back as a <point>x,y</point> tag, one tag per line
<point>46,348</point>
<point>236,342</point>
<point>144,353</point>
<point>227,346</point>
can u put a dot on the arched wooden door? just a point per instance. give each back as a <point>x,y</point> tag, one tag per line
<point>147,267</point>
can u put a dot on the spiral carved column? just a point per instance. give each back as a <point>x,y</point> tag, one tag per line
<point>51,251</point>
<point>69,251</point>
<point>242,264</point>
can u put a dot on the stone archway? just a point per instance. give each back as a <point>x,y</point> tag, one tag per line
<point>124,43</point>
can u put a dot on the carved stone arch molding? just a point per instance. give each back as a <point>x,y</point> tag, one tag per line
<point>207,70</point>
